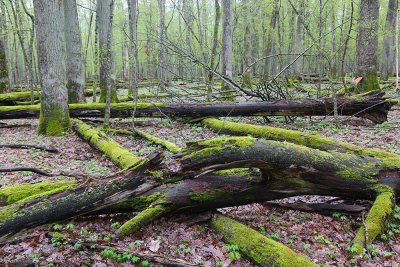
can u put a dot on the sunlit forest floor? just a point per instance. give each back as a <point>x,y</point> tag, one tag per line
<point>325,239</point>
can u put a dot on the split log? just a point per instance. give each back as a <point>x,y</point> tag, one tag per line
<point>373,107</point>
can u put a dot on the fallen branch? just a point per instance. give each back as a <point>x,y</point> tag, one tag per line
<point>22,169</point>
<point>17,146</point>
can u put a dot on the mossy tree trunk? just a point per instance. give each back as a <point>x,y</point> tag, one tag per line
<point>4,83</point>
<point>367,45</point>
<point>75,74</point>
<point>54,113</point>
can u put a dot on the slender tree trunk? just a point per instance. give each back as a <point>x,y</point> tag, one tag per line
<point>213,56</point>
<point>187,10</point>
<point>367,45</point>
<point>388,59</point>
<point>133,52</point>
<point>227,45</point>
<point>75,74</point>
<point>298,67</point>
<point>54,113</point>
<point>4,82</point>
<point>161,48</point>
<point>104,28</point>
<point>247,74</point>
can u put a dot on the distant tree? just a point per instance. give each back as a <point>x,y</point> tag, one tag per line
<point>133,51</point>
<point>227,45</point>
<point>54,114</point>
<point>213,55</point>
<point>105,9</point>
<point>161,45</point>
<point>247,59</point>
<point>367,45</point>
<point>75,74</point>
<point>4,82</point>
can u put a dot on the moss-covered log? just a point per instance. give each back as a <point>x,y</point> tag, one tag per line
<point>285,170</point>
<point>312,140</point>
<point>119,155</point>
<point>11,98</point>
<point>373,107</point>
<point>261,250</point>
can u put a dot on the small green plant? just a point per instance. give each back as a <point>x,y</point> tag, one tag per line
<point>291,239</point>
<point>233,250</point>
<point>331,255</point>
<point>321,239</point>
<point>69,227</point>
<point>308,216</point>
<point>351,249</point>
<point>275,236</point>
<point>77,246</point>
<point>263,230</point>
<point>111,253</point>
<point>271,218</point>
<point>306,246</point>
<point>340,216</point>
<point>145,263</point>
<point>84,231</point>
<point>116,225</point>
<point>57,227</point>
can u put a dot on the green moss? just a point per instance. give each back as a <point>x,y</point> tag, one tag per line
<point>17,96</point>
<point>306,139</point>
<point>20,192</point>
<point>207,195</point>
<point>244,172</point>
<point>261,250</point>
<point>390,163</point>
<point>119,155</point>
<point>53,120</point>
<point>142,219</point>
<point>140,202</point>
<point>370,81</point>
<point>380,211</point>
<point>171,147</point>
<point>7,212</point>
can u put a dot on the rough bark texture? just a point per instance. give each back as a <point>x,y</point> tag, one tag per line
<point>54,115</point>
<point>367,45</point>
<point>227,45</point>
<point>162,78</point>
<point>73,40</point>
<point>373,108</point>
<point>214,49</point>
<point>104,27</point>
<point>388,59</point>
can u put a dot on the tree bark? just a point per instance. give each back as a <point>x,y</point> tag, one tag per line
<point>54,115</point>
<point>73,40</point>
<point>247,72</point>
<point>104,22</point>
<point>367,45</point>
<point>133,51</point>
<point>388,59</point>
<point>374,108</point>
<point>4,82</point>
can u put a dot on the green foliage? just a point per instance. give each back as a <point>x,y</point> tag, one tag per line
<point>234,253</point>
<point>111,253</point>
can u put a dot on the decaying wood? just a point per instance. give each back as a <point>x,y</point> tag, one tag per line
<point>373,107</point>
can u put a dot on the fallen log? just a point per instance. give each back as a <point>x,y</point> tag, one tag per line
<point>285,170</point>
<point>262,250</point>
<point>11,98</point>
<point>23,146</point>
<point>373,107</point>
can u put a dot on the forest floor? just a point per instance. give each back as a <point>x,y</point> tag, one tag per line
<point>325,239</point>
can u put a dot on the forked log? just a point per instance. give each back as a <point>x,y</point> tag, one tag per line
<point>285,170</point>
<point>372,107</point>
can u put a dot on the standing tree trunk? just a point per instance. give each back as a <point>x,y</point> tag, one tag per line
<point>3,66</point>
<point>133,52</point>
<point>161,48</point>
<point>247,75</point>
<point>75,74</point>
<point>270,45</point>
<point>388,59</point>
<point>104,28</point>
<point>367,45</point>
<point>227,46</point>
<point>298,67</point>
<point>214,49</point>
<point>54,113</point>
<point>187,10</point>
